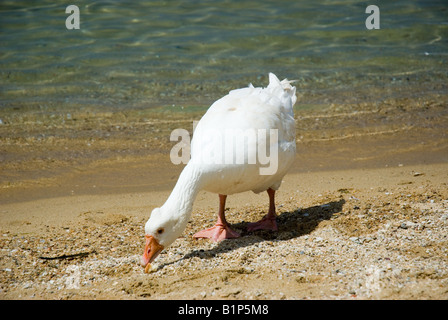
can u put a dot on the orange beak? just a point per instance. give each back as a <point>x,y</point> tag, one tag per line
<point>152,250</point>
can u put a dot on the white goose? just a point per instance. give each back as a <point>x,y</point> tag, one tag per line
<point>243,124</point>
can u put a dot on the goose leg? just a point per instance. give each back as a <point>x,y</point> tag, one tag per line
<point>269,221</point>
<point>221,230</point>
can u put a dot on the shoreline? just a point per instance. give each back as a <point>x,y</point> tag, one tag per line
<point>45,153</point>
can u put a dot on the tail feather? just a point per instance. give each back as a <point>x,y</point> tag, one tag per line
<point>285,85</point>
<point>274,81</point>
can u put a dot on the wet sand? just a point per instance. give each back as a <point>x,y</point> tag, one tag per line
<point>363,214</point>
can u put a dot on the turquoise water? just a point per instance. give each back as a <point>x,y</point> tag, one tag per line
<point>132,54</point>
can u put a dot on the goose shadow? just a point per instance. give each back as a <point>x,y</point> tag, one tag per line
<point>292,224</point>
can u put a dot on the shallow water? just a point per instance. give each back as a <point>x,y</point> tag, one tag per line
<point>133,54</point>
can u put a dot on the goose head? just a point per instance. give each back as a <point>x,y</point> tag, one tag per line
<point>161,230</point>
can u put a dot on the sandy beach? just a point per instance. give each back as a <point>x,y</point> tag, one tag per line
<point>363,214</point>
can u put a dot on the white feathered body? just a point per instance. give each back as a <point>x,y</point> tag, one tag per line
<point>253,111</point>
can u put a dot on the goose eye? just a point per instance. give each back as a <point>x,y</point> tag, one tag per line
<point>160,230</point>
